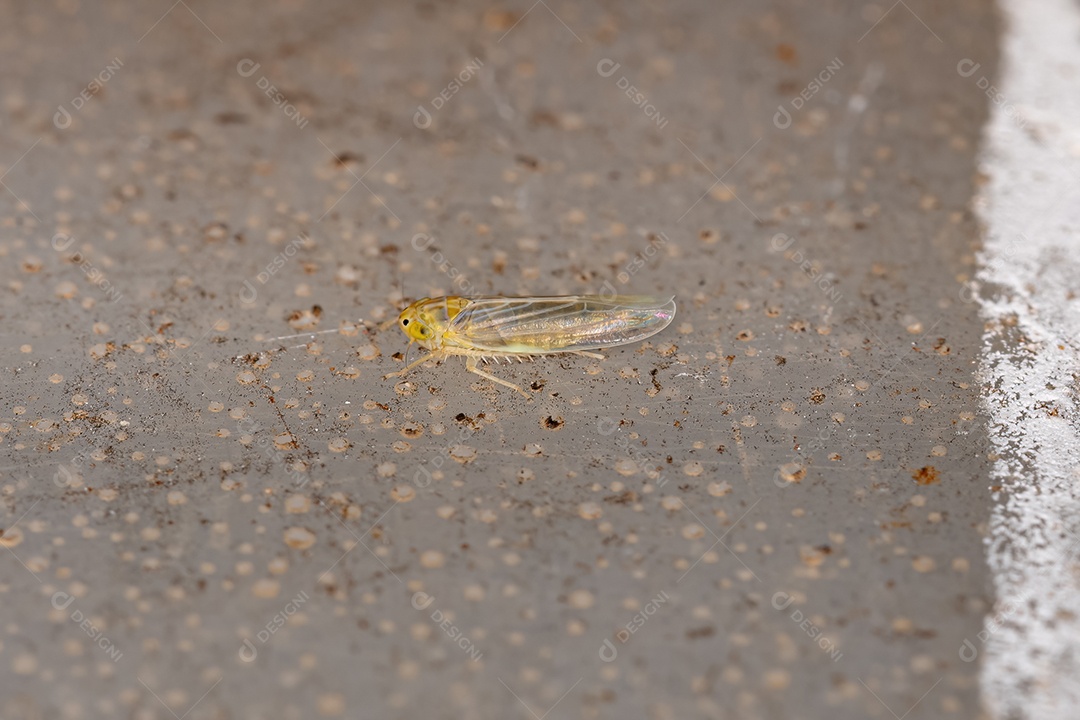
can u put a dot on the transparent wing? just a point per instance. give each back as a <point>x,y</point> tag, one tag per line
<point>539,325</point>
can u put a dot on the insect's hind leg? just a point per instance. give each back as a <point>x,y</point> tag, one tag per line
<point>400,373</point>
<point>586,353</point>
<point>472,366</point>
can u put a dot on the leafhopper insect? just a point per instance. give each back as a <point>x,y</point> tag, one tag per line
<point>493,327</point>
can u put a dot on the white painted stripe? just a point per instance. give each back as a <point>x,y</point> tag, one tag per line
<point>1030,294</point>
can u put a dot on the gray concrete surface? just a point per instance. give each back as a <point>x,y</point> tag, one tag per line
<point>775,510</point>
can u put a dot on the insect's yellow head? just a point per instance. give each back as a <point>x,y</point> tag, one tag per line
<point>417,323</point>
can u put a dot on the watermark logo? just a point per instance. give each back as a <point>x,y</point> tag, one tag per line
<point>782,600</point>
<point>61,242</point>
<point>607,67</point>
<point>422,242</point>
<point>62,601</point>
<point>62,118</point>
<point>248,67</point>
<point>782,118</point>
<point>608,651</point>
<point>422,118</point>
<point>967,68</point>
<point>782,243</point>
<point>656,241</point>
<point>65,476</point>
<point>422,601</point>
<point>969,651</point>
<point>249,293</point>
<point>249,650</point>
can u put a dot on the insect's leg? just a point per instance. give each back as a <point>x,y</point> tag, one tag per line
<point>471,366</point>
<point>586,353</point>
<point>430,356</point>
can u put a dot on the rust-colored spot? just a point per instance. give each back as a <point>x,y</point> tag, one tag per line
<point>230,118</point>
<point>528,161</point>
<point>625,498</point>
<point>545,117</point>
<point>553,423</point>
<point>411,429</point>
<point>926,475</point>
<point>347,159</point>
<point>785,53</point>
<point>496,20</point>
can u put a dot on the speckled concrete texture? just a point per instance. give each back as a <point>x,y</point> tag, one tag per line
<point>214,506</point>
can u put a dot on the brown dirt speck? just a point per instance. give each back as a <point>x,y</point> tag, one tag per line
<point>927,475</point>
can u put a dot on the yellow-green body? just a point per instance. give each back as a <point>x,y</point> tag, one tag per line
<point>493,327</point>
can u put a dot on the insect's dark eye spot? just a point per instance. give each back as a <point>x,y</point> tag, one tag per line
<point>405,321</point>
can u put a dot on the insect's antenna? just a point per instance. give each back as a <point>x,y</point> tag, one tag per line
<point>399,283</point>
<point>398,305</point>
<point>404,297</point>
<point>304,334</point>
